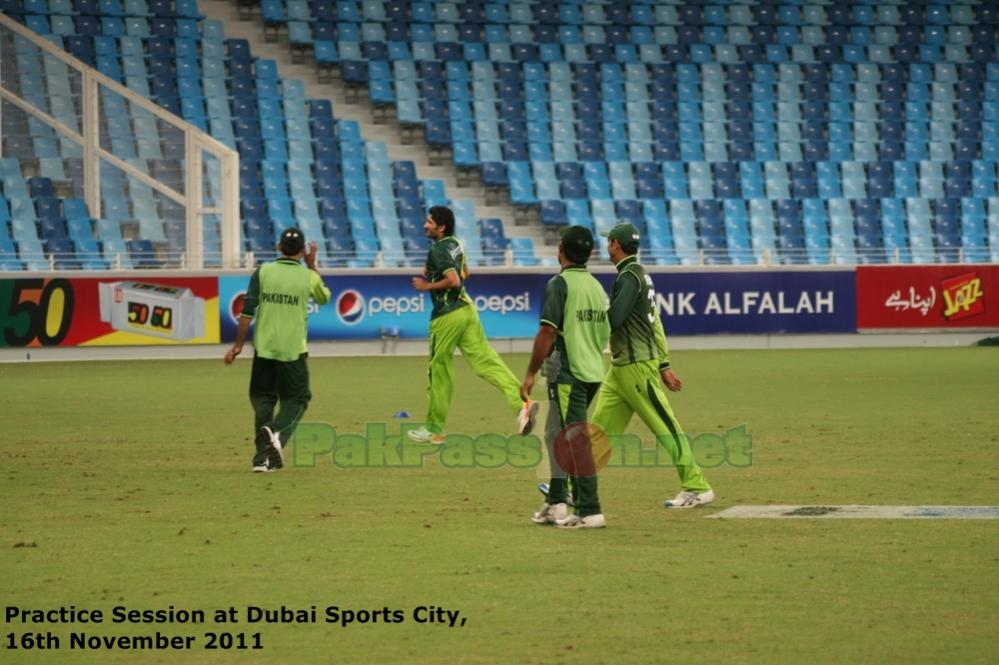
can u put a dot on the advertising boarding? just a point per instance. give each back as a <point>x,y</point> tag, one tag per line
<point>110,311</point>
<point>928,297</point>
<point>755,302</point>
<point>364,307</point>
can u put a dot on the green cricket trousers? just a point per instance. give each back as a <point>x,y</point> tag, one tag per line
<point>638,388</point>
<point>462,329</point>
<point>568,403</point>
<point>272,381</point>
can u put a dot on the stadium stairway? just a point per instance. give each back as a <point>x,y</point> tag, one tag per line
<point>360,110</point>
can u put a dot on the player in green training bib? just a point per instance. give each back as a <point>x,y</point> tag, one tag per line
<point>454,323</point>
<point>573,334</point>
<point>278,296</point>
<point>640,366</point>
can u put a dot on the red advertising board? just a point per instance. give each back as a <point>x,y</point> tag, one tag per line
<point>928,297</point>
<point>108,311</point>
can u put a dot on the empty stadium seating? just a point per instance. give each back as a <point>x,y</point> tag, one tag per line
<point>795,132</point>
<point>300,165</point>
<point>817,121</point>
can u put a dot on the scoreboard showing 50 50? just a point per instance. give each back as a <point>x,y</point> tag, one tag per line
<point>153,309</point>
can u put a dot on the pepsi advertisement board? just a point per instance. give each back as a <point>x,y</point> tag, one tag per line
<point>364,307</point>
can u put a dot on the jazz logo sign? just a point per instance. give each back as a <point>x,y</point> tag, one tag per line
<point>963,296</point>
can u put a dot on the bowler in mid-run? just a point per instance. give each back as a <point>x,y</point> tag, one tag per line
<point>454,323</point>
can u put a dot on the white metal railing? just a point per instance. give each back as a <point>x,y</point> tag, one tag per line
<point>196,144</point>
<point>697,259</point>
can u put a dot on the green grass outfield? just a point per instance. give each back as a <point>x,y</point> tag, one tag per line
<point>128,483</point>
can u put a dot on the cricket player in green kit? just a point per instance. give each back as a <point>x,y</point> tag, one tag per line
<point>454,323</point>
<point>640,366</point>
<point>278,296</point>
<point>573,333</point>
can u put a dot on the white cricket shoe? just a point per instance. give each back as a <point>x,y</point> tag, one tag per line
<point>262,468</point>
<point>550,513</point>
<point>576,522</point>
<point>687,499</point>
<point>528,414</point>
<point>275,445</point>
<point>423,435</point>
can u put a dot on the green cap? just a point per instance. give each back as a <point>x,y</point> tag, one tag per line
<point>626,234</point>
<point>577,241</point>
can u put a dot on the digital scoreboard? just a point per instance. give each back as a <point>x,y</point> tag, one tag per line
<point>152,309</point>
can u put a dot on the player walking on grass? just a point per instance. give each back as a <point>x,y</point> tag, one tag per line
<point>572,335</point>
<point>278,296</point>
<point>454,323</point>
<point>640,366</point>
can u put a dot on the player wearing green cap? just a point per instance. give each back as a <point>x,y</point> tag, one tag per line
<point>572,335</point>
<point>278,296</point>
<point>454,323</point>
<point>640,366</point>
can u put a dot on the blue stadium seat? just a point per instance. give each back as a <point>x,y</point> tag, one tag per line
<point>578,213</point>
<point>553,213</point>
<point>494,174</point>
<point>523,252</point>
<point>521,184</point>
<point>648,181</point>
